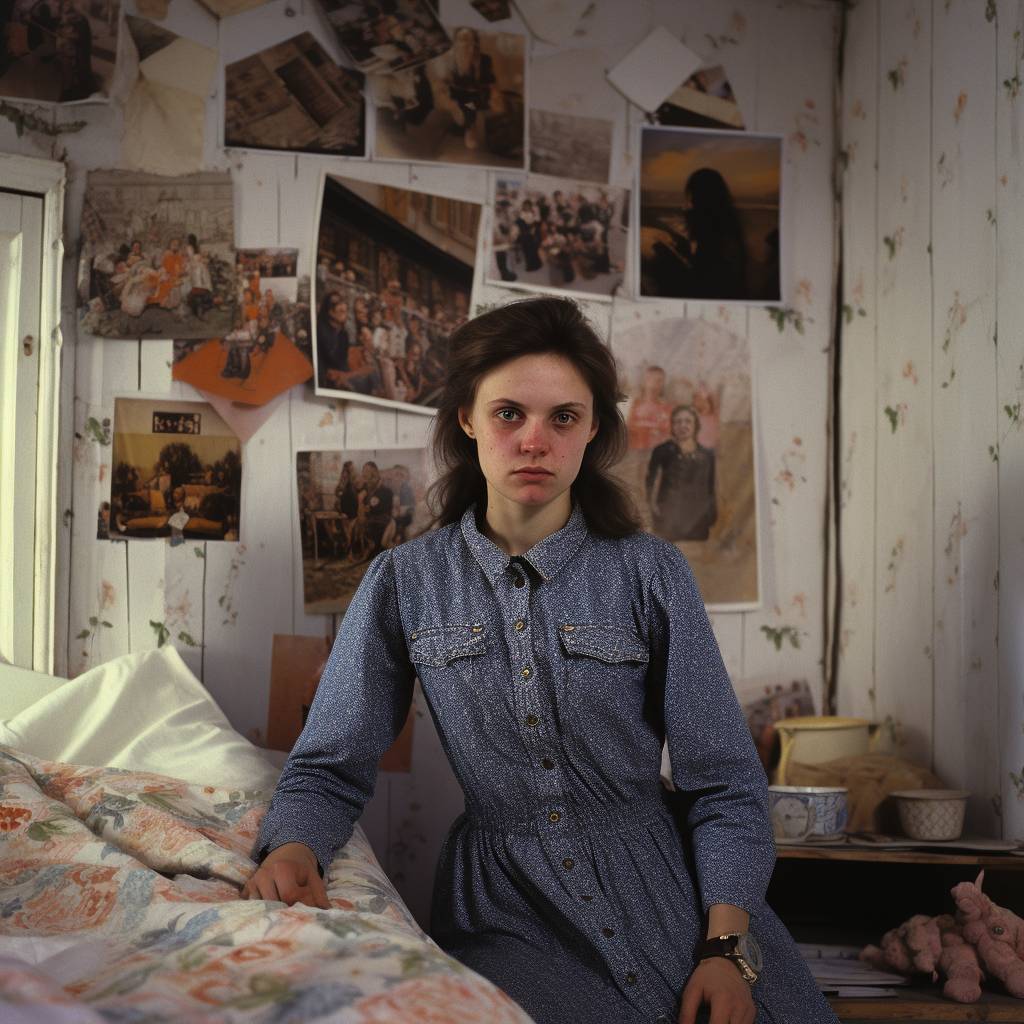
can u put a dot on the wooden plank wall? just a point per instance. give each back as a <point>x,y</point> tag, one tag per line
<point>229,599</point>
<point>929,442</point>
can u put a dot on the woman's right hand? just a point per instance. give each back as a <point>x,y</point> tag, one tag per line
<point>289,875</point>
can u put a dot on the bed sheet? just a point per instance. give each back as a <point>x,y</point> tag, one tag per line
<point>119,903</point>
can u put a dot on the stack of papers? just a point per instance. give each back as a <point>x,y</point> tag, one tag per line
<point>836,969</point>
<point>877,841</point>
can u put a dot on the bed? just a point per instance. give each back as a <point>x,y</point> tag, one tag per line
<point>128,806</point>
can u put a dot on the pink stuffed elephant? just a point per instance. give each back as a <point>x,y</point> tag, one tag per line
<point>996,933</point>
<point>981,936</point>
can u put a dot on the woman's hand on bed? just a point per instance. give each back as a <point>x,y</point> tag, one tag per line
<point>289,875</point>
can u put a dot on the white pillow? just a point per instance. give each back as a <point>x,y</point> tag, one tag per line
<point>146,712</point>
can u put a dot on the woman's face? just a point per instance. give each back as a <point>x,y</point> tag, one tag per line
<point>532,420</point>
<point>684,427</point>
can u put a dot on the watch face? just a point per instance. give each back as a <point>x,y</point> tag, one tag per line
<point>748,948</point>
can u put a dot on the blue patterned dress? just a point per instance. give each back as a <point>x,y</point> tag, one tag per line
<point>572,880</point>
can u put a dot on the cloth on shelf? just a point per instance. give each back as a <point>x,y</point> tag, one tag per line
<point>869,779</point>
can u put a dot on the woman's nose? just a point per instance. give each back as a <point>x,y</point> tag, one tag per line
<point>534,439</point>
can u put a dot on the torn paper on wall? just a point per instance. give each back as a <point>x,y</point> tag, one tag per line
<point>165,114</point>
<point>652,71</point>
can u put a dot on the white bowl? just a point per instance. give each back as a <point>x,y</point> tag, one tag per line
<point>932,815</point>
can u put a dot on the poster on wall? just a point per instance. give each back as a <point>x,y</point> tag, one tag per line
<point>293,96</point>
<point>268,348</point>
<point>387,36</point>
<point>58,52</point>
<point>550,234</point>
<point>177,472</point>
<point>394,271</point>
<point>464,107</point>
<point>709,215</point>
<point>690,463</point>
<point>352,506</point>
<point>157,257</point>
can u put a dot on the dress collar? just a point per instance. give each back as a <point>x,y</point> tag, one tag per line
<point>547,556</point>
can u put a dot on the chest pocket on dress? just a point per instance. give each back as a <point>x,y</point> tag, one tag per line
<point>607,664</point>
<point>439,646</point>
<point>447,660</point>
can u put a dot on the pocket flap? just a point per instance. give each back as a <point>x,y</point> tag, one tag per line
<point>438,646</point>
<point>606,643</point>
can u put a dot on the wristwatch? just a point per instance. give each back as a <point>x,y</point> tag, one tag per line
<point>739,947</point>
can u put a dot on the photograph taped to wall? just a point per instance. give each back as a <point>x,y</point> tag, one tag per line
<point>387,36</point>
<point>157,258</point>
<point>58,51</point>
<point>352,506</point>
<point>268,350</point>
<point>553,234</point>
<point>292,96</point>
<point>690,462</point>
<point>710,215</point>
<point>465,107</point>
<point>177,472</point>
<point>570,146</point>
<point>394,272</point>
<point>704,100</point>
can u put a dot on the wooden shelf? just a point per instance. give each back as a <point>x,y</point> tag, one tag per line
<point>1003,862</point>
<point>929,1005</point>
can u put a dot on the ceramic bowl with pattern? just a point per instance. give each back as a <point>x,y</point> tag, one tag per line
<point>798,812</point>
<point>931,815</point>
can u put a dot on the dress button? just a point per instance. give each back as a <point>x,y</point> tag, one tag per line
<point>548,763</point>
<point>526,673</point>
<point>554,817</point>
<point>519,625</point>
<point>568,863</point>
<point>531,720</point>
<point>607,932</point>
<point>520,582</point>
<point>631,978</point>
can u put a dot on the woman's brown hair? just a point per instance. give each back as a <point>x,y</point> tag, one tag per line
<point>531,327</point>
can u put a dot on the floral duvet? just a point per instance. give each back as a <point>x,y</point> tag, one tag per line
<point>119,902</point>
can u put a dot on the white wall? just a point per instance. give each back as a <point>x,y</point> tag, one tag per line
<point>930,438</point>
<point>779,57</point>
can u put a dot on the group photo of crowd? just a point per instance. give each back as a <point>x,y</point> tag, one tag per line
<point>390,292</point>
<point>559,234</point>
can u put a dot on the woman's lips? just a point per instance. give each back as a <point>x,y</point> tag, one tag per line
<point>532,471</point>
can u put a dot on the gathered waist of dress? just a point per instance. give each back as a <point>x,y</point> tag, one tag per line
<point>549,819</point>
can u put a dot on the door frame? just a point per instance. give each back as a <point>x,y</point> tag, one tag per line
<point>47,179</point>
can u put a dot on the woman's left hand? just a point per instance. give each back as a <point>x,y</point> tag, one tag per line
<point>718,982</point>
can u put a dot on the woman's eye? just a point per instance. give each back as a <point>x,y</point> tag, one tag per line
<point>565,418</point>
<point>508,415</point>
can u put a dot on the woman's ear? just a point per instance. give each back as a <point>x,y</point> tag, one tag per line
<point>466,423</point>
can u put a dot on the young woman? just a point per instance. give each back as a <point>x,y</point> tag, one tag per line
<point>557,647</point>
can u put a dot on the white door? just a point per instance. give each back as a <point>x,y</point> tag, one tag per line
<point>21,252</point>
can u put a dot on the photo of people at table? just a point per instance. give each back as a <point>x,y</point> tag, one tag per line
<point>352,506</point>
